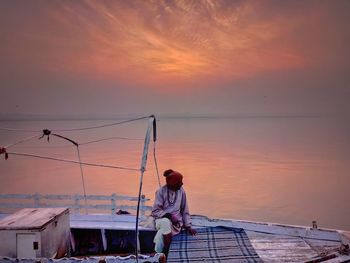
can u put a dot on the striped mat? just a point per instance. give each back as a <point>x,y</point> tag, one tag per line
<point>213,244</point>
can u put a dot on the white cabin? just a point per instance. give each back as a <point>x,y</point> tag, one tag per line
<point>35,233</point>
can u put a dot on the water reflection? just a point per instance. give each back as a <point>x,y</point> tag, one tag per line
<point>286,170</point>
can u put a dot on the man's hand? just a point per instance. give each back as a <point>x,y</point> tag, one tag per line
<point>191,231</point>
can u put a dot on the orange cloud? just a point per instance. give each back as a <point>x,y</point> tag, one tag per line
<point>160,41</point>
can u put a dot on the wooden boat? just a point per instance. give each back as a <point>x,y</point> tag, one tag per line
<point>110,237</point>
<point>272,242</point>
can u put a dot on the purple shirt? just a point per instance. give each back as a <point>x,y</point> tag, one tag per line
<point>173,202</point>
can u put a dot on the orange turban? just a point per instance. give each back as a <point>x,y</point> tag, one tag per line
<point>174,178</point>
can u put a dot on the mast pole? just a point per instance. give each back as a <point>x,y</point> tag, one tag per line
<point>151,124</point>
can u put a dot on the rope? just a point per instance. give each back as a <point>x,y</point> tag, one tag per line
<point>47,133</point>
<point>154,124</point>
<point>101,126</point>
<point>71,161</point>
<point>155,162</point>
<point>82,179</point>
<point>21,141</point>
<point>19,130</point>
<point>111,138</point>
<point>77,129</point>
<point>85,143</point>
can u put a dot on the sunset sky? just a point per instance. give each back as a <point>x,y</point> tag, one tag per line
<point>201,57</point>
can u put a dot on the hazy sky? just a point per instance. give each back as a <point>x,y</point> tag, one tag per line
<point>199,57</point>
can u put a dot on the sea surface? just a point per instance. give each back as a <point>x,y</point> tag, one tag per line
<point>281,169</point>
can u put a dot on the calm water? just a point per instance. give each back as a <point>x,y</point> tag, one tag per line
<point>284,170</point>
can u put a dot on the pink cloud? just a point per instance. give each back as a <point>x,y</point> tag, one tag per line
<point>155,43</point>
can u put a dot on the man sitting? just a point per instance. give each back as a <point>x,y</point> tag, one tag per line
<point>170,211</point>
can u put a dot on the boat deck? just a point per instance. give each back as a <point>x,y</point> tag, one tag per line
<point>272,242</point>
<point>286,243</point>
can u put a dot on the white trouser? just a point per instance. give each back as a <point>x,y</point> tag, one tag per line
<point>163,226</point>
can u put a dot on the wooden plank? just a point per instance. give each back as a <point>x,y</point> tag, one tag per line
<point>269,228</point>
<point>70,197</point>
<point>37,200</point>
<point>73,206</point>
<point>117,222</point>
<point>339,259</point>
<point>279,248</point>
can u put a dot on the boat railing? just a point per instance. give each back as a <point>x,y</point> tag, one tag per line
<point>77,203</point>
